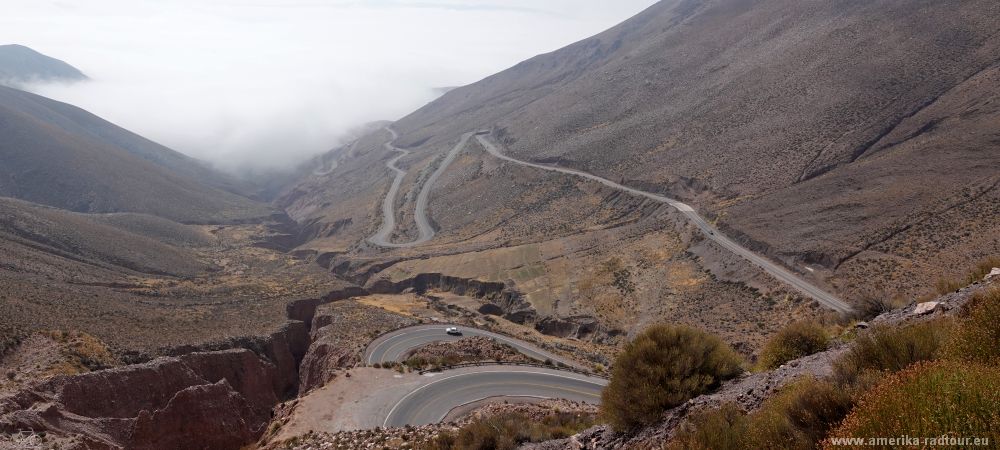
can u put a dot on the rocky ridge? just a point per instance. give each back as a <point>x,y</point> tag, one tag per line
<point>750,391</point>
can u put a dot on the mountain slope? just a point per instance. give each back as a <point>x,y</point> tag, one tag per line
<point>58,155</point>
<point>20,64</point>
<point>816,130</point>
<point>110,242</point>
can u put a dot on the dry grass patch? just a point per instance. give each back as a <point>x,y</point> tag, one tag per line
<point>946,286</point>
<point>978,337</point>
<point>799,417</point>
<point>509,431</point>
<point>891,349</point>
<point>930,399</point>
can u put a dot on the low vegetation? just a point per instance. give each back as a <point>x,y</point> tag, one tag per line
<point>931,379</point>
<point>797,418</point>
<point>82,352</point>
<point>946,286</point>
<point>874,305</point>
<point>793,342</point>
<point>978,339</point>
<point>662,368</point>
<point>930,399</point>
<point>725,428</point>
<point>890,349</point>
<point>800,416</point>
<point>431,363</point>
<point>509,431</point>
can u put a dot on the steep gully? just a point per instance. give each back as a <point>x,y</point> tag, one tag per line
<point>427,233</point>
<point>221,395</point>
<point>217,395</point>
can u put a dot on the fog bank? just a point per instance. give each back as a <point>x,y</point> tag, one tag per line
<point>264,84</point>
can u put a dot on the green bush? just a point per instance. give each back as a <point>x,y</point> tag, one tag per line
<point>930,399</point>
<point>509,431</point>
<point>793,342</point>
<point>977,339</point>
<point>890,349</point>
<point>664,367</point>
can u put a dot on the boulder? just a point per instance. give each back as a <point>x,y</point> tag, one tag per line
<point>927,308</point>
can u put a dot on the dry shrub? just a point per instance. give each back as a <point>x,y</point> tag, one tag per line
<point>793,342</point>
<point>509,431</point>
<point>873,305</point>
<point>978,337</point>
<point>803,414</point>
<point>946,286</point>
<point>930,399</point>
<point>725,428</point>
<point>799,417</point>
<point>891,349</point>
<point>662,368</point>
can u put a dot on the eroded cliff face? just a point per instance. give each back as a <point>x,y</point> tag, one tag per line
<point>216,396</point>
<point>497,297</point>
<point>231,392</point>
<point>340,333</point>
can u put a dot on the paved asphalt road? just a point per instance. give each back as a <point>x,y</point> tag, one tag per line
<point>381,238</point>
<point>394,346</point>
<point>823,297</point>
<point>426,230</point>
<point>432,402</point>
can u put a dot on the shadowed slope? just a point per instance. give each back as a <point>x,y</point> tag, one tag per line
<point>61,156</point>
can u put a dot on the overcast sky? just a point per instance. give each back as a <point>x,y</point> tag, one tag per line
<point>266,83</point>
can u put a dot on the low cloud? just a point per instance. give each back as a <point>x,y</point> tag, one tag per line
<point>264,84</point>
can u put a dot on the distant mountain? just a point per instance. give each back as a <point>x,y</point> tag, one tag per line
<point>58,155</point>
<point>20,64</point>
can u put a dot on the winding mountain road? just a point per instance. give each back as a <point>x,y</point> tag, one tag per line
<point>432,401</point>
<point>429,398</point>
<point>424,227</point>
<point>803,286</point>
<point>394,346</point>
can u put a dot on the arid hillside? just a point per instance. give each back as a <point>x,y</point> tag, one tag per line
<point>142,283</point>
<point>59,155</point>
<point>845,139</point>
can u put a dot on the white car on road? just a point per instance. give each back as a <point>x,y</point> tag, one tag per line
<point>454,331</point>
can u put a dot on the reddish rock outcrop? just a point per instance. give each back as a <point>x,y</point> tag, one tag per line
<point>213,396</point>
<point>216,400</point>
<point>213,416</point>
<point>340,332</point>
<point>320,365</point>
